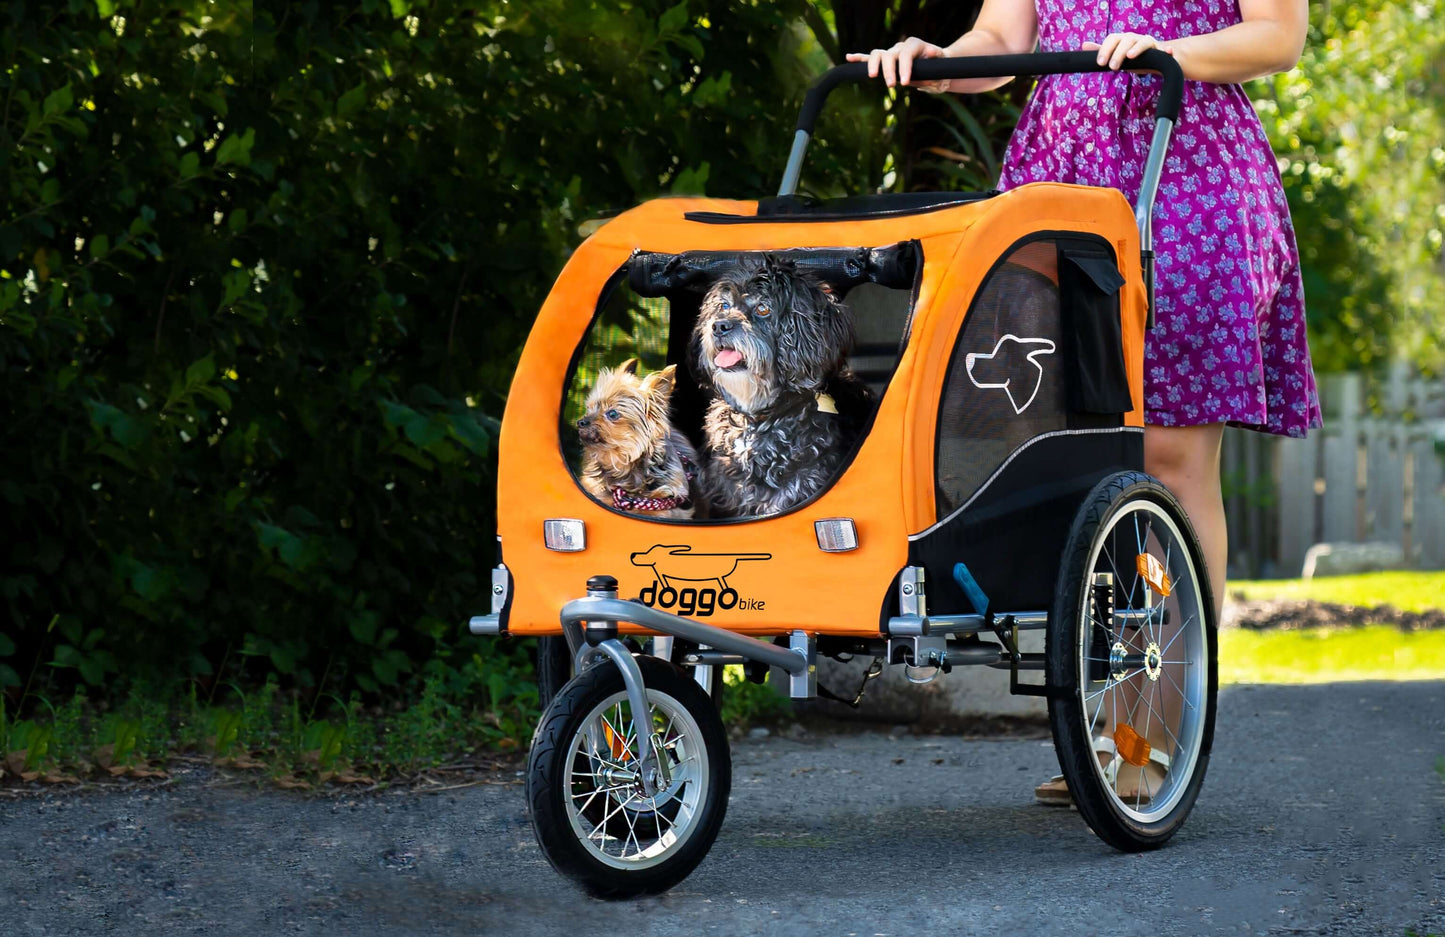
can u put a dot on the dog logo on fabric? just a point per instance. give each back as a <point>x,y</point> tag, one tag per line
<point>1001,369</point>
<point>694,583</point>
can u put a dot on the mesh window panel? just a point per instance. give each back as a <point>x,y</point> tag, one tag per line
<point>1006,379</point>
<point>627,326</point>
<point>880,316</point>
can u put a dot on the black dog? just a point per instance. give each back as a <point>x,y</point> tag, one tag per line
<point>772,345</point>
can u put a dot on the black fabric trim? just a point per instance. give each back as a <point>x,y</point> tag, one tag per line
<point>1012,540</point>
<point>791,209</point>
<point>895,266</point>
<point>1096,378</point>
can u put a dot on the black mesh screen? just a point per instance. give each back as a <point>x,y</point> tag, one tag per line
<point>880,315</point>
<point>1005,381</point>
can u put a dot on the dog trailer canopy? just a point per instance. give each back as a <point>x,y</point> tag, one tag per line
<point>985,324</point>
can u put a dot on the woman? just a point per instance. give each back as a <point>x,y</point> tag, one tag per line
<point>1229,344</point>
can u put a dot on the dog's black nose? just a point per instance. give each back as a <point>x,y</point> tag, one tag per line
<point>722,327</point>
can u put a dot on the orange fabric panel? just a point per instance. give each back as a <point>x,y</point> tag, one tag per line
<point>768,575</point>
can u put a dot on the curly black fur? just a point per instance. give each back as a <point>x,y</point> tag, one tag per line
<point>783,341</point>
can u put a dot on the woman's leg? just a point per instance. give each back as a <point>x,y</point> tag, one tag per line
<point>1186,460</point>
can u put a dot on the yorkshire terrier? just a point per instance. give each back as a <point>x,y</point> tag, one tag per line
<point>632,458</point>
<point>771,343</point>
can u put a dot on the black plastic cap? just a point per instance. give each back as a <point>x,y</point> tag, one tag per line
<point>602,584</point>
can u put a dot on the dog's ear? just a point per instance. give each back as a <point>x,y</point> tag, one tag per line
<point>818,337</point>
<point>660,383</point>
<point>628,367</point>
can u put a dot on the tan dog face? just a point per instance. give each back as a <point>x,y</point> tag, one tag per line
<point>626,416</point>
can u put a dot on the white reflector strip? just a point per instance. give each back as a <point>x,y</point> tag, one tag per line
<point>565,535</point>
<point>836,534</point>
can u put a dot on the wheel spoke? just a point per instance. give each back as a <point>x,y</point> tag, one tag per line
<point>1182,628</point>
<point>1182,695</point>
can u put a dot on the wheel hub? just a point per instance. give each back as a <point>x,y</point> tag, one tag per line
<point>1119,661</point>
<point>1153,660</point>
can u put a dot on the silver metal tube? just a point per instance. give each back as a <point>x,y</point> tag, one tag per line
<point>710,658</point>
<point>956,624</point>
<point>579,610</point>
<point>485,624</point>
<point>1027,621</point>
<point>794,168</point>
<point>637,697</point>
<point>1149,186</point>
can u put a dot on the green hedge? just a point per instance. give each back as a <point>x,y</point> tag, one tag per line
<point>262,286</point>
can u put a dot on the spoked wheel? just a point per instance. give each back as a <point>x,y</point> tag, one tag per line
<point>594,820</point>
<point>1132,660</point>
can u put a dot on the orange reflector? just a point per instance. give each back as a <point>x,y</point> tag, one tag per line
<point>615,743</point>
<point>1153,572</point>
<point>1131,746</point>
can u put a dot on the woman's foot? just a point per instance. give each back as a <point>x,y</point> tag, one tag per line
<point>1135,787</point>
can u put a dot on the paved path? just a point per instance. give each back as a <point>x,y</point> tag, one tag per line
<point>1323,813</point>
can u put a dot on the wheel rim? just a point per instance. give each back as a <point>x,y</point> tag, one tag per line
<point>611,815</point>
<point>1143,672</point>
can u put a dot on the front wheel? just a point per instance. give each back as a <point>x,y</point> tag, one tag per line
<point>593,819</point>
<point>1132,663</point>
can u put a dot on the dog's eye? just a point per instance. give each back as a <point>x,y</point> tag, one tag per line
<point>613,415</point>
<point>727,304</point>
<point>764,311</point>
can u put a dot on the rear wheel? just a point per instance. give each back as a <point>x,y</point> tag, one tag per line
<point>1132,663</point>
<point>594,820</point>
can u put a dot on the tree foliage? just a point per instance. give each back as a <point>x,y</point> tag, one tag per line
<point>1358,128</point>
<point>263,279</point>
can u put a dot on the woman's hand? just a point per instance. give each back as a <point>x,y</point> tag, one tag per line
<point>896,63</point>
<point>1117,47</point>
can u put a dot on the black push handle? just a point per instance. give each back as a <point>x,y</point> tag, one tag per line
<point>994,66</point>
<point>1171,97</point>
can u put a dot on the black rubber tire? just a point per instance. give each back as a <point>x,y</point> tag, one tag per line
<point>1077,760</point>
<point>547,780</point>
<point>554,668</point>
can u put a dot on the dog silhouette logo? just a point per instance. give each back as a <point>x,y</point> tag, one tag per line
<point>694,583</point>
<point>1012,367</point>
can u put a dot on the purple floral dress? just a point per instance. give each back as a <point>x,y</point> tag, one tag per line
<point>1229,340</point>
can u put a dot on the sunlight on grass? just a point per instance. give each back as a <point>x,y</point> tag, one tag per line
<point>1409,591</point>
<point>1329,655</point>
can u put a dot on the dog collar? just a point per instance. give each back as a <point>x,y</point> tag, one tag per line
<point>826,404</point>
<point>626,501</point>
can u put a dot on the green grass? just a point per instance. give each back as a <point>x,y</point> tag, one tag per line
<point>1408,591</point>
<point>1330,655</point>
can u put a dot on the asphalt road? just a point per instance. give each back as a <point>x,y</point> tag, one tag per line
<point>1323,813</point>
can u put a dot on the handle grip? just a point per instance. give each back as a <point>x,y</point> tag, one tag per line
<point>994,66</point>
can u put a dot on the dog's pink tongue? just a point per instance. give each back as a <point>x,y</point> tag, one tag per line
<point>727,358</point>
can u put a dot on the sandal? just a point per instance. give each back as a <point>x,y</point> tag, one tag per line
<point>1055,791</point>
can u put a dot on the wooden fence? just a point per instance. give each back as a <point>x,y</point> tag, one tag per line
<point>1375,473</point>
